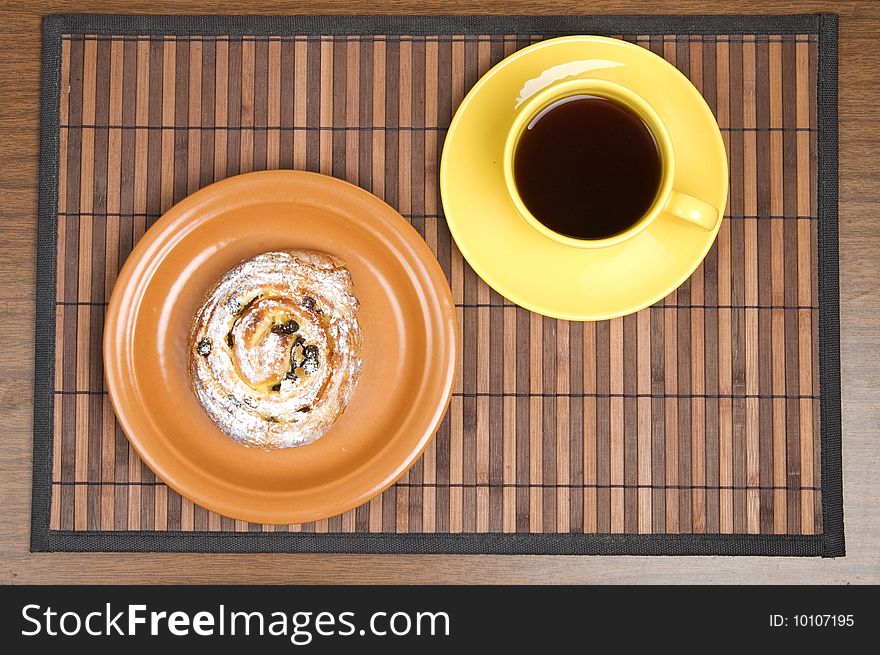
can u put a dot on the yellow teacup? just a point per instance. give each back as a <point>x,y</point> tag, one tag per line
<point>668,201</point>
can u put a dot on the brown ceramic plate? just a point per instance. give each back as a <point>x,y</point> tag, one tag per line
<point>407,318</point>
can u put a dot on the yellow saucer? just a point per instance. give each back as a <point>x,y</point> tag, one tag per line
<point>537,272</point>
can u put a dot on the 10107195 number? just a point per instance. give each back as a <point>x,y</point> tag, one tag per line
<point>823,620</point>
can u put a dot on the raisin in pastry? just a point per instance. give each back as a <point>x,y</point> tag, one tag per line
<point>275,350</point>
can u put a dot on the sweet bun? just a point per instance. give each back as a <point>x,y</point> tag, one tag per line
<point>275,349</point>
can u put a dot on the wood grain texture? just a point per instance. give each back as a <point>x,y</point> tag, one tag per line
<point>859,330</point>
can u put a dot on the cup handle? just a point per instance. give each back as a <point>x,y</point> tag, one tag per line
<point>692,210</point>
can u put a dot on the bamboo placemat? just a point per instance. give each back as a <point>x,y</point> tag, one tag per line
<point>706,424</point>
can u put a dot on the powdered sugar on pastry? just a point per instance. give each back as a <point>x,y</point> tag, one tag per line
<point>275,350</point>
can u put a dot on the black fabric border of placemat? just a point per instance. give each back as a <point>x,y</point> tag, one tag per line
<point>830,543</point>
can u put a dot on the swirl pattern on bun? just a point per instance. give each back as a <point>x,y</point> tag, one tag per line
<point>275,349</point>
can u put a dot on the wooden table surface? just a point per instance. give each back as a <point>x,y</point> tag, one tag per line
<point>860,332</point>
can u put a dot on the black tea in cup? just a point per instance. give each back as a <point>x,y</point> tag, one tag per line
<point>587,167</point>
